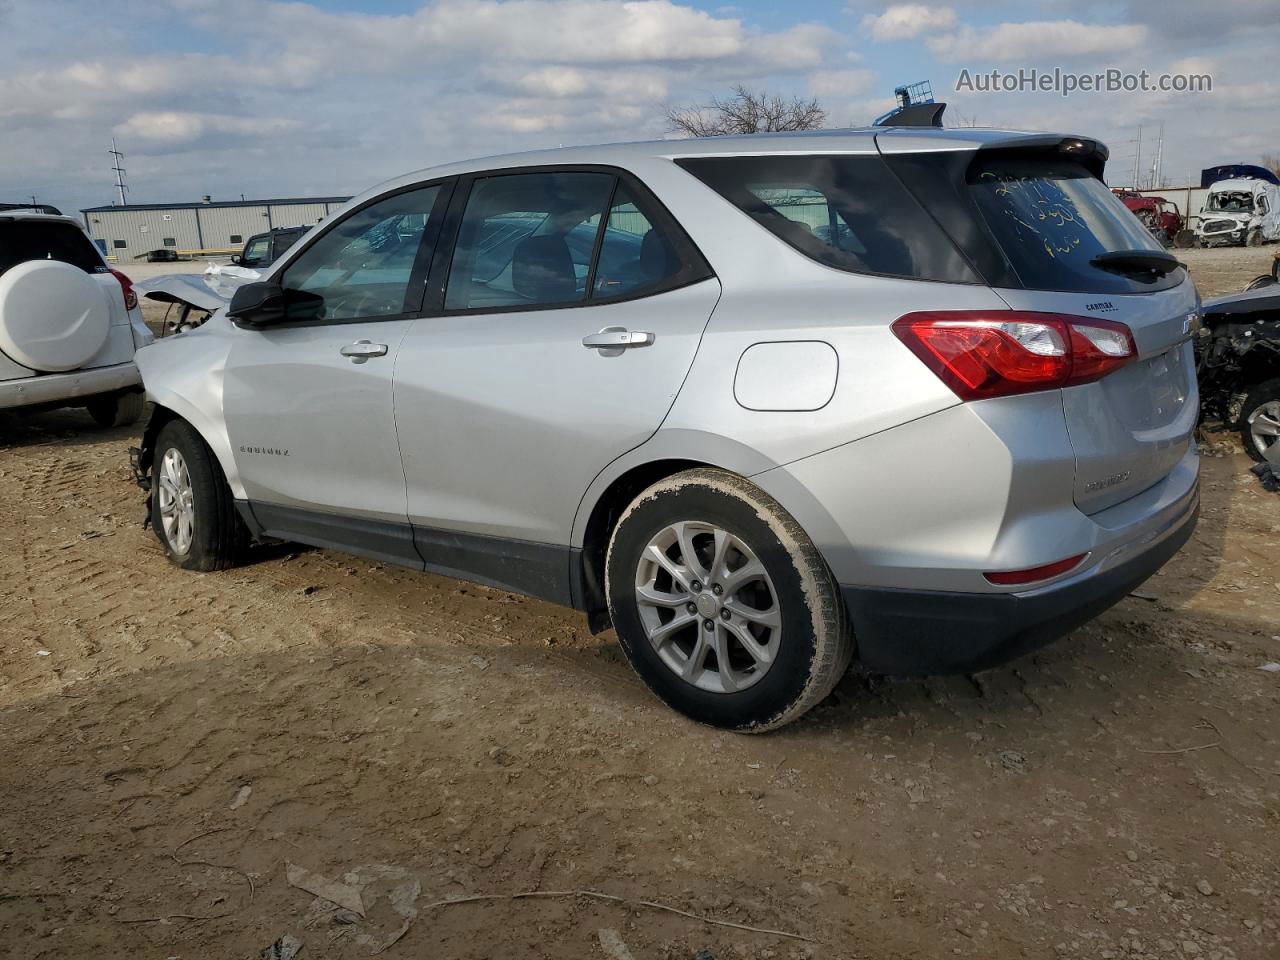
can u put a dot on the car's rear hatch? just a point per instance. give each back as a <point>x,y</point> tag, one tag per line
<point>1132,427</point>
<point>1034,216</point>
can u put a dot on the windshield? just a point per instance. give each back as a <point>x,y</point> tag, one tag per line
<point>1235,201</point>
<point>1051,218</point>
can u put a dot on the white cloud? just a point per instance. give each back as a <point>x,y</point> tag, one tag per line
<point>905,20</point>
<point>171,126</point>
<point>1036,42</point>
<point>840,83</point>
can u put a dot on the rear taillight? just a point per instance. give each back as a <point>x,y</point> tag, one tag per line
<point>981,354</point>
<point>130,297</point>
<point>1008,578</point>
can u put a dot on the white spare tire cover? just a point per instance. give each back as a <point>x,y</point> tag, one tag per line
<point>53,316</point>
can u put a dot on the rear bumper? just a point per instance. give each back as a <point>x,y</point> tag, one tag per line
<point>67,388</point>
<point>933,632</point>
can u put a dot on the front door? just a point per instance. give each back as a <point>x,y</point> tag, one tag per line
<point>573,311</point>
<point>308,402</point>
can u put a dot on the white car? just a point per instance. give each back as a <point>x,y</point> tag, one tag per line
<point>69,324</point>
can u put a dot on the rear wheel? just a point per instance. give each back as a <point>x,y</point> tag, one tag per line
<point>118,410</point>
<point>1260,419</point>
<point>722,603</point>
<point>192,511</point>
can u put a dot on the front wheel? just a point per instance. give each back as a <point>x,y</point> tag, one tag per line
<point>192,511</point>
<point>723,604</point>
<point>1260,419</point>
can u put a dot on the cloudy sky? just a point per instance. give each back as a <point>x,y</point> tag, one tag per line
<point>225,97</point>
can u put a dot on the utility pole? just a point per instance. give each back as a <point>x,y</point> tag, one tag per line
<point>120,187</point>
<point>1157,178</point>
<point>1137,163</point>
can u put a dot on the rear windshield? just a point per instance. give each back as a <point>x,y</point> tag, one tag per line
<point>23,240</point>
<point>1051,217</point>
<point>848,212</point>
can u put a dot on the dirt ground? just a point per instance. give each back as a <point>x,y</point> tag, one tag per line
<point>172,742</point>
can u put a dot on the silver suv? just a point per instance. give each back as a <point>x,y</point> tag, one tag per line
<point>760,403</point>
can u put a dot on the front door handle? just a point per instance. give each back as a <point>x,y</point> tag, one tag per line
<point>611,341</point>
<point>362,350</point>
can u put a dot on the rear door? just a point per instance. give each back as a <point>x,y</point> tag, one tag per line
<point>573,310</point>
<point>1051,218</point>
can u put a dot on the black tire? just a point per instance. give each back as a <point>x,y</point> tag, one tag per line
<point>815,644</point>
<point>1253,238</point>
<point>219,536</point>
<point>117,410</point>
<point>1266,392</point>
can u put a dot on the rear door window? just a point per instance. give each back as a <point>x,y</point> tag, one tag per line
<point>527,240</point>
<point>1051,217</point>
<point>635,254</point>
<point>847,212</point>
<point>23,240</point>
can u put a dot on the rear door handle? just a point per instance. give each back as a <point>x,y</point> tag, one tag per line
<point>362,350</point>
<point>611,341</point>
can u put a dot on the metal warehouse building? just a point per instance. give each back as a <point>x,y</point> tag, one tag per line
<point>125,233</point>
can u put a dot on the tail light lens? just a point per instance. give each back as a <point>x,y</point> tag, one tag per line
<point>130,297</point>
<point>981,354</point>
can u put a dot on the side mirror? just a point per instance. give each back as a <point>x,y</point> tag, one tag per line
<point>256,305</point>
<point>235,258</point>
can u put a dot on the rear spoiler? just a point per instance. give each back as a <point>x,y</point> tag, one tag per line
<point>1089,153</point>
<point>32,208</point>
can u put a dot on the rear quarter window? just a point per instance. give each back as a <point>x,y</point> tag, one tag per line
<point>23,240</point>
<point>847,212</point>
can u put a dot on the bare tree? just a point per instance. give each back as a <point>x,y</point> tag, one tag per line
<point>1272,162</point>
<point>747,111</point>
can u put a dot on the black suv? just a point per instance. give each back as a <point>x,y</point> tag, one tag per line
<point>263,249</point>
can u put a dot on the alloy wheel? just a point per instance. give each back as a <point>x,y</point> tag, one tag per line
<point>708,606</point>
<point>176,501</point>
<point>1264,426</point>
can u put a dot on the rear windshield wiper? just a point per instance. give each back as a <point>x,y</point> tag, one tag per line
<point>1133,262</point>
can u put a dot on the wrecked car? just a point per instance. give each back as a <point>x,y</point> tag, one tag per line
<point>1238,362</point>
<point>190,298</point>
<point>1240,211</point>
<point>1162,217</point>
